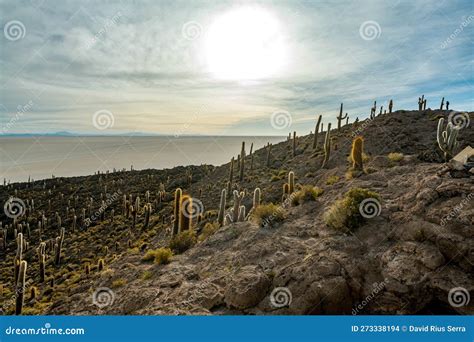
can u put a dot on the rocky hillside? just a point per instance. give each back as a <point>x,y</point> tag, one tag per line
<point>407,256</point>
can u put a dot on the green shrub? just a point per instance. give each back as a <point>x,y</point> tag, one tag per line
<point>306,193</point>
<point>332,180</point>
<point>267,214</point>
<point>344,213</point>
<point>208,230</point>
<point>183,241</point>
<point>395,157</point>
<point>163,256</point>
<point>159,256</point>
<point>147,275</point>
<point>119,283</point>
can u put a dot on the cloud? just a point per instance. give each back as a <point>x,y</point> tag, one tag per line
<point>132,59</point>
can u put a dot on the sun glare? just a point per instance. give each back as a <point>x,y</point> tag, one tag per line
<point>245,44</point>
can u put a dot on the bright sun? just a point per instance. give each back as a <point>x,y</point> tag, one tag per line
<point>245,44</point>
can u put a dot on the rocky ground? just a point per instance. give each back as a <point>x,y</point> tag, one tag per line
<point>406,260</point>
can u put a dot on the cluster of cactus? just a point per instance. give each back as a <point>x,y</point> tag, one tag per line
<point>182,212</point>
<point>237,212</point>
<point>288,188</point>
<point>447,138</point>
<point>421,103</point>
<point>327,147</point>
<point>356,154</point>
<point>340,117</point>
<point>441,106</point>
<point>373,110</point>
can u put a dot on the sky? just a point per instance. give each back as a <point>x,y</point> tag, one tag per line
<point>225,67</point>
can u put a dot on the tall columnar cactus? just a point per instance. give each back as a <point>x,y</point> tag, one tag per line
<point>390,106</point>
<point>20,288</point>
<point>256,198</point>
<point>124,206</point>
<point>447,138</point>
<point>327,147</point>
<point>58,246</point>
<point>176,210</point>
<point>356,154</point>
<point>231,176</point>
<point>242,213</point>
<point>237,201</point>
<point>186,212</point>
<point>19,255</point>
<point>441,106</point>
<point>221,216</point>
<point>269,154</point>
<point>147,215</point>
<point>316,131</point>
<point>291,182</point>
<point>286,192</point>
<point>42,261</point>
<point>242,162</point>
<point>447,105</point>
<point>340,117</point>
<point>373,110</point>
<point>251,157</point>
<point>294,143</point>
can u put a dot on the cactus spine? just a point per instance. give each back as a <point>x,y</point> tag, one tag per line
<point>356,153</point>
<point>447,138</point>
<point>316,131</point>
<point>177,209</point>
<point>327,146</point>
<point>340,117</point>
<point>20,288</point>
<point>220,217</point>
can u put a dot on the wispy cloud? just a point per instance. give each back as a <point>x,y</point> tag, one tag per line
<point>131,58</point>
